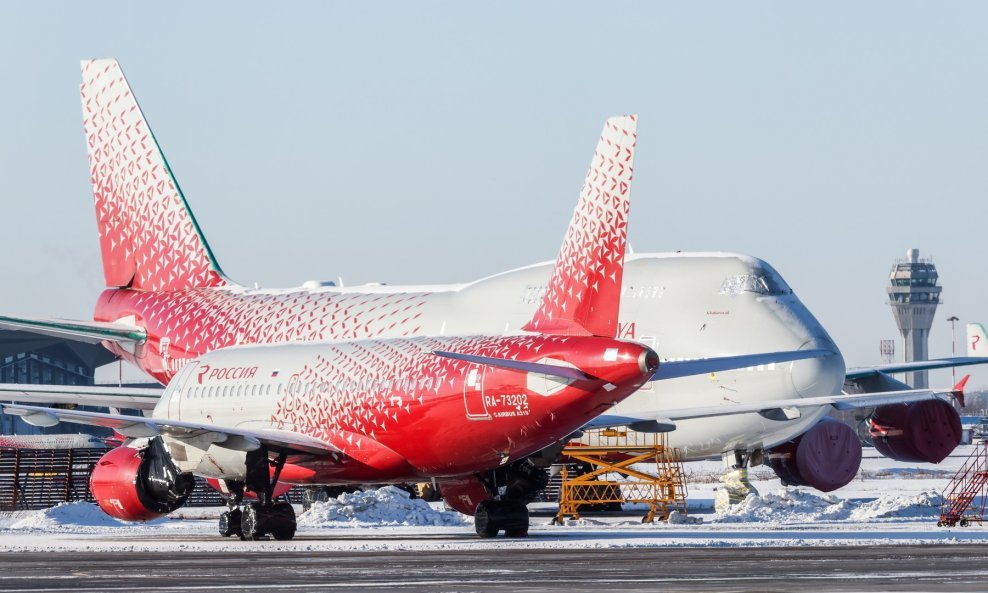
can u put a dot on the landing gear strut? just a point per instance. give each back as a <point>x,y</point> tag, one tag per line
<point>265,517</point>
<point>736,486</point>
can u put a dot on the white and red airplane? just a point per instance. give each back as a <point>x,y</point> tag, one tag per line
<point>399,409</point>
<point>168,304</point>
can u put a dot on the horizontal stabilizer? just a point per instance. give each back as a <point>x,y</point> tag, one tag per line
<point>919,365</point>
<point>686,368</point>
<point>132,398</point>
<point>91,332</point>
<point>564,372</point>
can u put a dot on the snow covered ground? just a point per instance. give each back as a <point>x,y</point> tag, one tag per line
<point>889,503</point>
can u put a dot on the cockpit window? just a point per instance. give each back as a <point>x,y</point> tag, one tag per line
<point>759,281</point>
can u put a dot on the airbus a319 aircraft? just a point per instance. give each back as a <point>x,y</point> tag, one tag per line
<point>169,304</point>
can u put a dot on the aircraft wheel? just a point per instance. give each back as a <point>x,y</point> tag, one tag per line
<point>281,518</point>
<point>251,523</point>
<point>484,520</point>
<point>230,523</point>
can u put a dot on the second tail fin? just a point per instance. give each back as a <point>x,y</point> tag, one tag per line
<point>148,237</point>
<point>584,293</point>
<point>977,340</point>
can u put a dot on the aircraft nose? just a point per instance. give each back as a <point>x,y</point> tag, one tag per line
<point>814,377</point>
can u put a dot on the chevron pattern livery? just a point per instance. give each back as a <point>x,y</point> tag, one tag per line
<point>585,290</point>
<point>148,237</point>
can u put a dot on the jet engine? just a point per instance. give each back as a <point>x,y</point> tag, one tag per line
<point>139,484</point>
<point>825,457</point>
<point>924,431</point>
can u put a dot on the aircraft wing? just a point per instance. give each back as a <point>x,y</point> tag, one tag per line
<point>139,427</point>
<point>683,368</point>
<point>908,367</point>
<point>780,409</point>
<point>135,398</point>
<point>91,332</point>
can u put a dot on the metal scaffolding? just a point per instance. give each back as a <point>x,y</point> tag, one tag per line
<point>963,500</point>
<point>612,456</point>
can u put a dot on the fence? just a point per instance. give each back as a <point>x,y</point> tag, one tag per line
<point>43,478</point>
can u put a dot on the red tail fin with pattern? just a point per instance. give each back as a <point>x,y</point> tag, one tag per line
<point>148,236</point>
<point>584,293</point>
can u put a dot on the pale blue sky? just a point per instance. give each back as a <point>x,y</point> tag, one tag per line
<point>442,142</point>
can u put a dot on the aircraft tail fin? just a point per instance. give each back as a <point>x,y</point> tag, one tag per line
<point>977,340</point>
<point>584,292</point>
<point>148,237</point>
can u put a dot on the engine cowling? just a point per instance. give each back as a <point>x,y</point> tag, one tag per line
<point>463,494</point>
<point>139,484</point>
<point>825,457</point>
<point>926,431</point>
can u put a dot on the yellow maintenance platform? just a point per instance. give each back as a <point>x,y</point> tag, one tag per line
<point>612,454</point>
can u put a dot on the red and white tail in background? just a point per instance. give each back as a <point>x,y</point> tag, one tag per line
<point>584,293</point>
<point>148,236</point>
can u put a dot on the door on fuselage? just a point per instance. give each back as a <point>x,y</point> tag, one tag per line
<point>473,393</point>
<point>182,385</point>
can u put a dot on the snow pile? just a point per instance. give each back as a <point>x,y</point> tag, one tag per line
<point>74,516</point>
<point>925,505</point>
<point>788,505</point>
<point>784,505</point>
<point>677,518</point>
<point>384,506</point>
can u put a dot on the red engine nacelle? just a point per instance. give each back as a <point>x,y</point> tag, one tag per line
<point>825,457</point>
<point>463,494</point>
<point>139,484</point>
<point>926,431</point>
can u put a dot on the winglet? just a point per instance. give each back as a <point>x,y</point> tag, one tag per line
<point>958,391</point>
<point>584,292</point>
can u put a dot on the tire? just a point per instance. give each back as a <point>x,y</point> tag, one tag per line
<point>250,523</point>
<point>516,532</point>
<point>484,519</point>
<point>230,523</point>
<point>964,523</point>
<point>281,518</point>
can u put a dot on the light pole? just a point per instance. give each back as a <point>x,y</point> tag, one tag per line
<point>953,347</point>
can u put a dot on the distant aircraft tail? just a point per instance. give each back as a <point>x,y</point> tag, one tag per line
<point>977,340</point>
<point>148,236</point>
<point>584,293</point>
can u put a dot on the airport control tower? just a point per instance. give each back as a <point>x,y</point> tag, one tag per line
<point>914,296</point>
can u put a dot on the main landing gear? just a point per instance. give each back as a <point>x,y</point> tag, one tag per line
<point>265,517</point>
<point>522,481</point>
